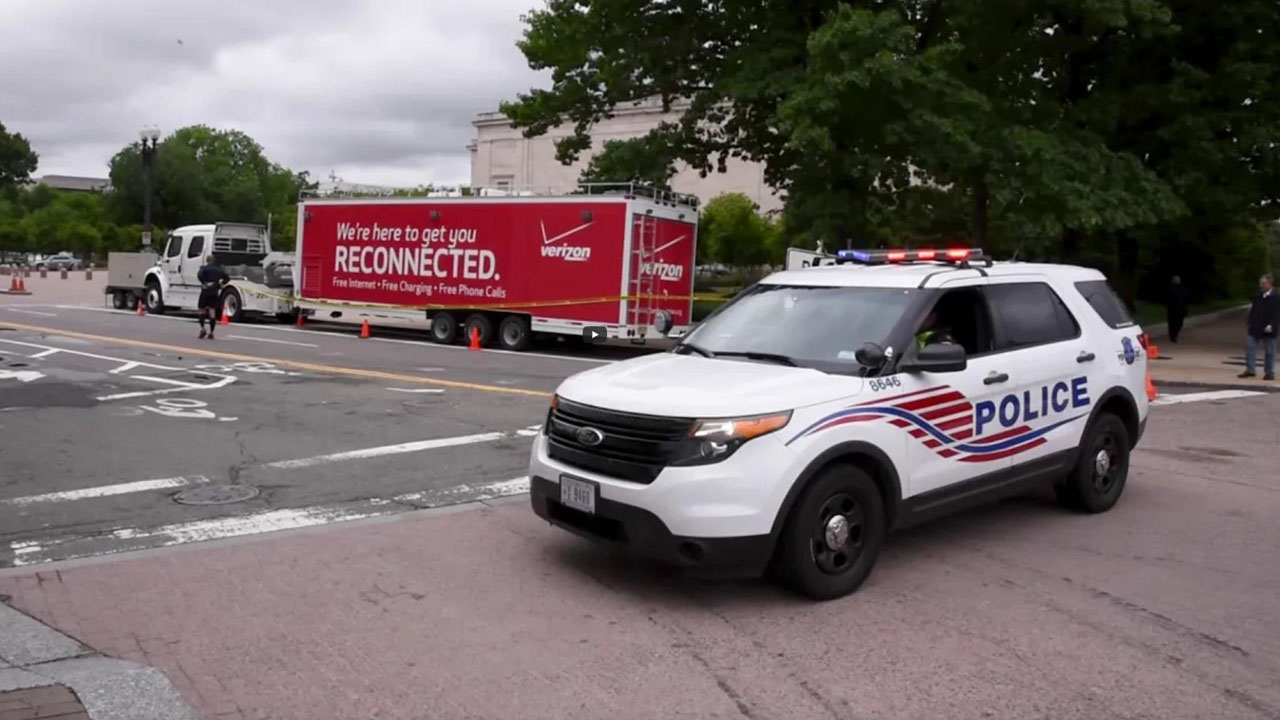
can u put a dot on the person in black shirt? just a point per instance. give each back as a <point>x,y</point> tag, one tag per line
<point>1263,322</point>
<point>1177,306</point>
<point>211,277</point>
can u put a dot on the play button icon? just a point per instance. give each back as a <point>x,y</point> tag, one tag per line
<point>594,334</point>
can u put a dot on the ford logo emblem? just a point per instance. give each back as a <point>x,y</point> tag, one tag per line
<point>590,436</point>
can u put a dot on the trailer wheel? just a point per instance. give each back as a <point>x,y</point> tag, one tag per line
<point>119,300</point>
<point>514,333</point>
<point>484,325</point>
<point>444,328</point>
<point>232,305</point>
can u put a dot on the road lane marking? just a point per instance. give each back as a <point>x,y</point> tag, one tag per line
<point>1204,396</point>
<point>416,390</point>
<point>34,552</point>
<point>46,353</point>
<point>106,490</point>
<point>426,344</point>
<point>269,340</point>
<point>33,312</point>
<point>123,368</point>
<point>398,449</point>
<point>315,367</point>
<point>458,494</point>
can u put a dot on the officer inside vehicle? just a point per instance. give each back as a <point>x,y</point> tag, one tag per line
<point>932,333</point>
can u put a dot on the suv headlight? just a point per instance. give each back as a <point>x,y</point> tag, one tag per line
<point>713,440</point>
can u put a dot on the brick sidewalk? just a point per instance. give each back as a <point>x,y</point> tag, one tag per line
<point>55,702</point>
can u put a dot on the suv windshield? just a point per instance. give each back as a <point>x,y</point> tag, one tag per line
<point>818,327</point>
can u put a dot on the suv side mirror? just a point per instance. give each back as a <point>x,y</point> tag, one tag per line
<point>943,357</point>
<point>870,355</point>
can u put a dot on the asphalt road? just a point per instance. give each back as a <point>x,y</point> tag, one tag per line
<point>1163,608</point>
<point>109,416</point>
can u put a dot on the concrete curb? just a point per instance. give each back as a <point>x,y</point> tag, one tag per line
<point>1161,330</point>
<point>1213,385</point>
<point>33,655</point>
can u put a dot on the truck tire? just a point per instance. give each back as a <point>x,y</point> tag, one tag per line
<point>824,557</point>
<point>288,318</point>
<point>1096,482</point>
<point>514,333</point>
<point>482,323</point>
<point>232,305</point>
<point>120,300</point>
<point>444,328</point>
<point>154,299</point>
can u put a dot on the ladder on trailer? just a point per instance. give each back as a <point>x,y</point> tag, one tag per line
<point>643,303</point>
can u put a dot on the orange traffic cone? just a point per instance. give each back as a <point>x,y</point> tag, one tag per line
<point>13,283</point>
<point>364,329</point>
<point>225,320</point>
<point>1151,389</point>
<point>22,284</point>
<point>475,338</point>
<point>141,312</point>
<point>298,323</point>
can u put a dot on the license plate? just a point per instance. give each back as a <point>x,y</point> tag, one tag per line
<point>578,494</point>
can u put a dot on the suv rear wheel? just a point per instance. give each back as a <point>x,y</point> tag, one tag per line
<point>833,536</point>
<point>1098,479</point>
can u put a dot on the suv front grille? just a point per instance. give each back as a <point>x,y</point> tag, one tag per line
<point>635,447</point>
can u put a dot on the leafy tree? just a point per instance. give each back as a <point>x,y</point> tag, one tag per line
<point>17,159</point>
<point>644,160</point>
<point>733,232</point>
<point>206,175</point>
<point>1100,130</point>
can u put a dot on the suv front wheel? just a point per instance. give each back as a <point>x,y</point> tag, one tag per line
<point>1098,479</point>
<point>833,536</point>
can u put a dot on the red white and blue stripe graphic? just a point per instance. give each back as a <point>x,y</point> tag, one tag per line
<point>941,418</point>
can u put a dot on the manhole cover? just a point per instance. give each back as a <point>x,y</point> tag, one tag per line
<point>216,494</point>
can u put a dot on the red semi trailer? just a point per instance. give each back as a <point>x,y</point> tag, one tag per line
<point>508,267</point>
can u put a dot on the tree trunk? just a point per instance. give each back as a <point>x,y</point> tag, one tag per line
<point>1070,245</point>
<point>980,202</point>
<point>1127,260</point>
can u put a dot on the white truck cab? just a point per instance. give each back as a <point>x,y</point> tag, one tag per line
<point>822,408</point>
<point>261,280</point>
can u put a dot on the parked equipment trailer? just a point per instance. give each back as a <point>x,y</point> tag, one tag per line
<point>505,268</point>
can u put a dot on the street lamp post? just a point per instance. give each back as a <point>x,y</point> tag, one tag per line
<point>149,135</point>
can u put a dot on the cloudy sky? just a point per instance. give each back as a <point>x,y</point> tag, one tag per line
<point>376,91</point>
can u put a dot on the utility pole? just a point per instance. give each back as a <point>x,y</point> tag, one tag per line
<point>149,135</point>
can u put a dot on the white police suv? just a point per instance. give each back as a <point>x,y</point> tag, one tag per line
<point>821,408</point>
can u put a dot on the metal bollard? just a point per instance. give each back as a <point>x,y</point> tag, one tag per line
<point>64,273</point>
<point>88,273</point>
<point>44,273</point>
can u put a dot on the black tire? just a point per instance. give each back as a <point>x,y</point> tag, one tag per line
<point>288,318</point>
<point>806,560</point>
<point>231,305</point>
<point>444,328</point>
<point>481,323</point>
<point>119,300</point>
<point>1095,485</point>
<point>514,333</point>
<point>154,300</point>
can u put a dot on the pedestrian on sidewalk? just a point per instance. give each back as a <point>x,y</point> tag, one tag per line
<point>211,277</point>
<point>1177,307</point>
<point>1264,320</point>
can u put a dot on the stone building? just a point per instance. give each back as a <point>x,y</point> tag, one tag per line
<point>502,157</point>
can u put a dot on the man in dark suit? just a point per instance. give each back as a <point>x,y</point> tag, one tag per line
<point>1263,322</point>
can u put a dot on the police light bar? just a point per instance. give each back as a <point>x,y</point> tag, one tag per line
<point>960,256</point>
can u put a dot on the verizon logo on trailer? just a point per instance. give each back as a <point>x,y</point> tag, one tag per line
<point>560,262</point>
<point>575,253</point>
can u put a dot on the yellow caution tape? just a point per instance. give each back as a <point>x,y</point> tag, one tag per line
<point>486,306</point>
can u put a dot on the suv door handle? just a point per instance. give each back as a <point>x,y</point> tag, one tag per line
<point>995,377</point>
<point>1084,357</point>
